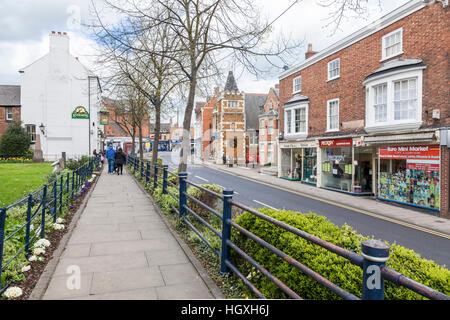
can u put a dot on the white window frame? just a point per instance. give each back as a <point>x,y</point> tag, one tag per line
<point>294,85</point>
<point>391,124</point>
<point>262,126</point>
<point>270,126</point>
<point>329,102</point>
<point>233,104</point>
<point>31,131</point>
<point>383,44</point>
<point>9,114</point>
<point>338,60</point>
<point>291,110</point>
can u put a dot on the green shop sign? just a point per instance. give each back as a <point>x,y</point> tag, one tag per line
<point>80,113</point>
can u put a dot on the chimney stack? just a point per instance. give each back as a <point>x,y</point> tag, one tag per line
<point>310,51</point>
<point>59,42</point>
<point>216,91</point>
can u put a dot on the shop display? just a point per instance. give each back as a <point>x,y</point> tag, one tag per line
<point>410,174</point>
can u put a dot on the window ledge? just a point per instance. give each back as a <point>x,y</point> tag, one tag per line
<point>387,58</point>
<point>331,79</point>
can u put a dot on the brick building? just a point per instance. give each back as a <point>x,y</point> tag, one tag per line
<point>268,128</point>
<point>9,106</point>
<point>206,120</point>
<point>369,115</point>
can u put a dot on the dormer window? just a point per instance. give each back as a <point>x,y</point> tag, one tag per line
<point>392,44</point>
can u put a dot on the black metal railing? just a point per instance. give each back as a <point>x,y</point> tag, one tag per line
<point>38,209</point>
<point>372,261</point>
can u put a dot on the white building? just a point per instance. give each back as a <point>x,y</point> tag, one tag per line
<point>57,91</point>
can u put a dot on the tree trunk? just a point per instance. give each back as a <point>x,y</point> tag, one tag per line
<point>186,143</point>
<point>157,133</point>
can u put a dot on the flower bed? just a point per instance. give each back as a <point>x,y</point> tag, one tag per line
<point>26,272</point>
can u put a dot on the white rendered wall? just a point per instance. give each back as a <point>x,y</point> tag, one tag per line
<point>51,88</point>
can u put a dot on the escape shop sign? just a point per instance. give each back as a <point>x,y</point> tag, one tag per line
<point>80,113</point>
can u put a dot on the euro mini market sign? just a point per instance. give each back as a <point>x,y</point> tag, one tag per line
<point>80,112</point>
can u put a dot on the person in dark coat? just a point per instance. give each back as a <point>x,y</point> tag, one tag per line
<point>119,160</point>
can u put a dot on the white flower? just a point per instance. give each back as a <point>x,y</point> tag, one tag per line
<point>60,220</point>
<point>26,268</point>
<point>31,227</point>
<point>58,226</point>
<point>40,259</point>
<point>38,251</point>
<point>32,258</point>
<point>13,292</point>
<point>42,243</point>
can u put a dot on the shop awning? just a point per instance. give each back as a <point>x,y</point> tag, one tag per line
<point>428,137</point>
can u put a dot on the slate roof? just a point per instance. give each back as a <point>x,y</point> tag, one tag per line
<point>9,95</point>
<point>253,108</point>
<point>231,85</point>
<point>396,64</point>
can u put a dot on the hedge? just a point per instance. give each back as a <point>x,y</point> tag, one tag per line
<point>335,268</point>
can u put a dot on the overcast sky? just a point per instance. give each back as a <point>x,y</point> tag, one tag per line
<point>26,24</point>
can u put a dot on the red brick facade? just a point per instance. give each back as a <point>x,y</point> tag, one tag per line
<point>3,122</point>
<point>425,39</point>
<point>426,35</point>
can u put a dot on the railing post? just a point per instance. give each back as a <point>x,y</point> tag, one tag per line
<point>226,229</point>
<point>164,190</point>
<point>67,182</point>
<point>60,195</point>
<point>155,176</point>
<point>27,229</point>
<point>2,237</point>
<point>141,167</point>
<point>183,199</point>
<point>375,254</point>
<point>73,185</point>
<point>147,173</point>
<point>55,199</point>
<point>44,200</point>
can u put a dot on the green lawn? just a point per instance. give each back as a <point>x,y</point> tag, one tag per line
<point>19,179</point>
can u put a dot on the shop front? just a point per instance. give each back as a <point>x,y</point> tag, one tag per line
<point>345,166</point>
<point>299,162</point>
<point>409,174</point>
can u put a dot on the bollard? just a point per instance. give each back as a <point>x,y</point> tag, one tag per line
<point>44,198</point>
<point>165,167</point>
<point>226,229</point>
<point>155,176</point>
<point>375,254</point>
<point>28,222</point>
<point>2,237</point>
<point>183,200</point>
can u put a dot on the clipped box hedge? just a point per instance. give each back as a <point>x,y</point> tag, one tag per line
<point>335,268</point>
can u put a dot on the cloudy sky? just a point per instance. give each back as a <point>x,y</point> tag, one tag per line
<point>25,25</point>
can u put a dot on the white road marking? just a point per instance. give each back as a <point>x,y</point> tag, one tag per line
<point>202,178</point>
<point>265,205</point>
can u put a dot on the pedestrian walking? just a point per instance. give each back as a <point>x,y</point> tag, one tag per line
<point>110,157</point>
<point>119,160</point>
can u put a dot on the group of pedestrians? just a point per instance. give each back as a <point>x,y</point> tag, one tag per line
<point>116,159</point>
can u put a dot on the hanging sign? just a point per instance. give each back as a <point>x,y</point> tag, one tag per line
<point>80,113</point>
<point>104,118</point>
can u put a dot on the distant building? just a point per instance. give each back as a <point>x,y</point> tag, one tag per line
<point>268,128</point>
<point>60,101</point>
<point>10,107</point>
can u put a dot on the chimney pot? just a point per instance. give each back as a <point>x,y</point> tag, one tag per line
<point>310,51</point>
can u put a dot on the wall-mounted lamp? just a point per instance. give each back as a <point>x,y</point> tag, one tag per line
<point>42,128</point>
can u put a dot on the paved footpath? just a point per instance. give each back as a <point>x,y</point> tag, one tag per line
<point>124,250</point>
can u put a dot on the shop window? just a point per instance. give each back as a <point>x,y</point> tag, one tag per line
<point>310,165</point>
<point>286,169</point>
<point>408,178</point>
<point>337,168</point>
<point>333,115</point>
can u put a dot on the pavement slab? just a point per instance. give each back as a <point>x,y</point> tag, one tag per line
<point>121,249</point>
